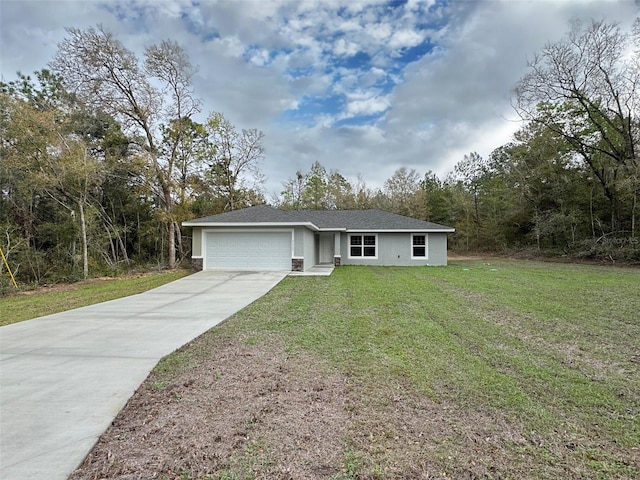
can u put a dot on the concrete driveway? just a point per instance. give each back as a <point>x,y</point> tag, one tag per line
<point>64,377</point>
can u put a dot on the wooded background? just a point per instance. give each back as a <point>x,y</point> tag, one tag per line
<point>101,160</point>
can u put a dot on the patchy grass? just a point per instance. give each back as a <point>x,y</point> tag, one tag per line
<point>48,300</point>
<point>507,369</point>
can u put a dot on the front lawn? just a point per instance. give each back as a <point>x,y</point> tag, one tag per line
<point>483,369</point>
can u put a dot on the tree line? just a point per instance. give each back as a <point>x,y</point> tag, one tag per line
<point>101,161</point>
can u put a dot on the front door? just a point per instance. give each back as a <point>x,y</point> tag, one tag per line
<point>326,248</point>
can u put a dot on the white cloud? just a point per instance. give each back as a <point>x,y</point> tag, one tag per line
<point>351,25</point>
<point>344,48</point>
<point>366,106</point>
<point>379,31</point>
<point>230,46</point>
<point>260,58</point>
<point>413,5</point>
<point>405,38</point>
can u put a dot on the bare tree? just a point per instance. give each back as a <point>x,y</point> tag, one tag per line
<point>401,189</point>
<point>586,88</point>
<point>234,159</point>
<point>291,196</point>
<point>362,193</point>
<point>469,172</point>
<point>144,97</point>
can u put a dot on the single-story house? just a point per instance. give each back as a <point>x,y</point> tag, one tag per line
<point>267,238</point>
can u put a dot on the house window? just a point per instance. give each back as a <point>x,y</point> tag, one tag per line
<point>363,246</point>
<point>418,246</point>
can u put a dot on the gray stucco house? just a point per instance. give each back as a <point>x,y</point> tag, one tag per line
<point>266,238</point>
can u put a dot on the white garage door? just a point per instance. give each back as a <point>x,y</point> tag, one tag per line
<point>248,251</point>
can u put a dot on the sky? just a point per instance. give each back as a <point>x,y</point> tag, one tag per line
<point>361,86</point>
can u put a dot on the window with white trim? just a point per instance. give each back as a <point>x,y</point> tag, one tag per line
<point>418,245</point>
<point>363,246</point>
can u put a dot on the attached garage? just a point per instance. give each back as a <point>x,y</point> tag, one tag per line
<point>248,250</point>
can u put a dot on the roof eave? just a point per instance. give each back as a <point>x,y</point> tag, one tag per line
<point>250,224</point>
<point>401,230</point>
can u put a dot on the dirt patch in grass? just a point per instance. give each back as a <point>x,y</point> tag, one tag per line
<point>542,256</point>
<point>458,257</point>
<point>247,410</point>
<point>402,434</point>
<point>399,433</point>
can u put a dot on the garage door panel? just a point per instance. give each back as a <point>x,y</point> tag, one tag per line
<point>248,251</point>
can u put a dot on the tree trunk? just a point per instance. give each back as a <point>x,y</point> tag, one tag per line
<point>125,255</point>
<point>172,244</point>
<point>593,223</point>
<point>85,253</point>
<point>633,214</point>
<point>476,202</point>
<point>114,252</point>
<point>180,247</point>
<point>537,227</point>
<point>171,225</point>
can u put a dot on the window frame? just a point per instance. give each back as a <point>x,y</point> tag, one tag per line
<point>362,246</point>
<point>412,246</point>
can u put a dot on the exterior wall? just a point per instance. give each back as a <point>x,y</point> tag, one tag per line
<point>298,241</point>
<point>197,258</point>
<point>310,249</point>
<point>304,247</point>
<point>437,249</point>
<point>196,242</point>
<point>395,249</point>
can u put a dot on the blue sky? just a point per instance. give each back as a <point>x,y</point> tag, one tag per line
<point>362,86</point>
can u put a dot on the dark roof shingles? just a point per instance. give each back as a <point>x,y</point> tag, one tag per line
<point>259,213</point>
<point>349,219</point>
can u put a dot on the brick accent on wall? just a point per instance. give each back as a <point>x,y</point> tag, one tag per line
<point>197,264</point>
<point>336,261</point>
<point>297,264</point>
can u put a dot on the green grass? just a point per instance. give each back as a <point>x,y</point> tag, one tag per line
<point>552,347</point>
<point>551,351</point>
<point>31,304</point>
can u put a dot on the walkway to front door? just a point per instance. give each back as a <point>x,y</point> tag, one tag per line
<point>315,271</point>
